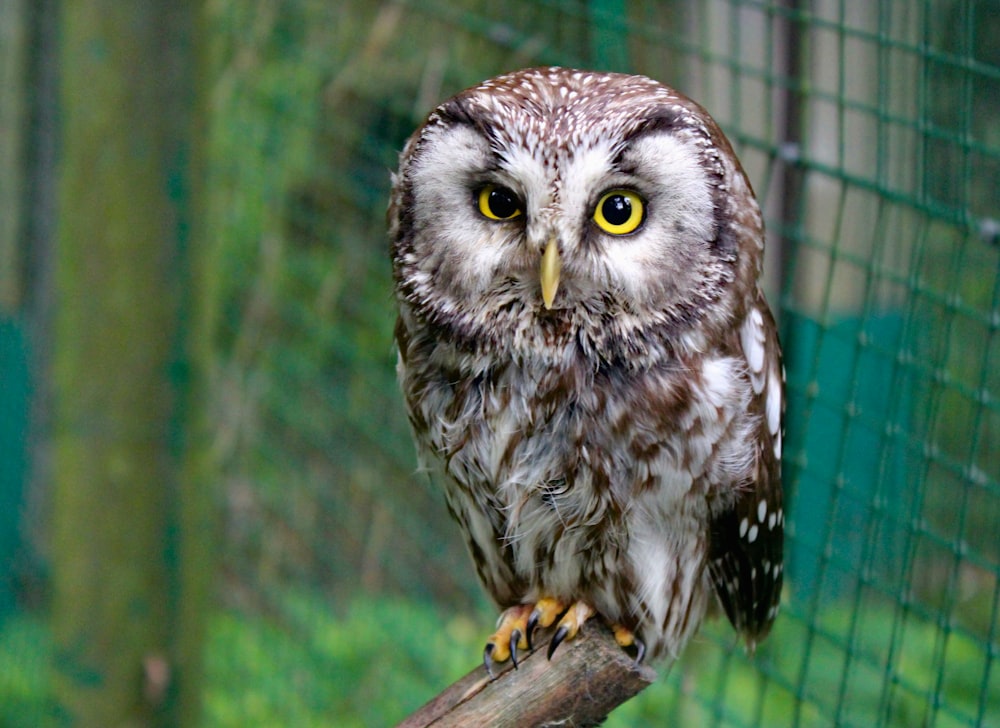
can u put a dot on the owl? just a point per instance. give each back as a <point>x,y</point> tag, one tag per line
<point>588,363</point>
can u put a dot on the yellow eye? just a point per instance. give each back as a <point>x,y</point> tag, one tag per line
<point>619,212</point>
<point>499,203</point>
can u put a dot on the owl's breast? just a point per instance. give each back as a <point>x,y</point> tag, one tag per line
<point>554,470</point>
<point>572,435</point>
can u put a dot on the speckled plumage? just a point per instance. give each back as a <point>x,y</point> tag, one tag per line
<point>623,447</point>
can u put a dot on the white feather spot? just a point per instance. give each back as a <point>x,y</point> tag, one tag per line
<point>772,520</point>
<point>744,525</point>
<point>752,339</point>
<point>762,510</point>
<point>773,405</point>
<point>752,534</point>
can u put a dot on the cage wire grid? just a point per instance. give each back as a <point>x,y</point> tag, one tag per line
<point>871,133</point>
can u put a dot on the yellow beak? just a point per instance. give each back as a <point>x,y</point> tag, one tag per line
<point>550,273</point>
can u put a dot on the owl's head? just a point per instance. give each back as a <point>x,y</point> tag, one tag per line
<point>553,207</point>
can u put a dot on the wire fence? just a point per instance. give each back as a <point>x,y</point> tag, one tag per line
<point>871,133</point>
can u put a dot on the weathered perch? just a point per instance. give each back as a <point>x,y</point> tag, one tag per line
<point>586,678</point>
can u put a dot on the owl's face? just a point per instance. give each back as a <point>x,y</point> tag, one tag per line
<point>553,206</point>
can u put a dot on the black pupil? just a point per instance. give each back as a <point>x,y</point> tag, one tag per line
<point>617,209</point>
<point>502,202</point>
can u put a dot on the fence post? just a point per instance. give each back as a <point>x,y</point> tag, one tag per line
<point>127,605</point>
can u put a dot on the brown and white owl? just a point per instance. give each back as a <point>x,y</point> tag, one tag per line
<point>590,368</point>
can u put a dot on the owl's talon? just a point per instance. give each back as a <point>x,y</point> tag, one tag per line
<point>640,651</point>
<point>627,638</point>
<point>515,637</point>
<point>510,636</point>
<point>543,615</point>
<point>557,639</point>
<point>488,659</point>
<point>570,624</point>
<point>517,625</point>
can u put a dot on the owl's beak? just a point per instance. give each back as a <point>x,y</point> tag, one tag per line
<point>550,273</point>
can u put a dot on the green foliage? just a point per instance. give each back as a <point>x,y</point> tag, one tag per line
<point>372,666</point>
<point>25,646</point>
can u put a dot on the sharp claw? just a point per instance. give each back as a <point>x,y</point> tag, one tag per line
<point>640,651</point>
<point>557,639</point>
<point>515,637</point>
<point>532,626</point>
<point>488,659</point>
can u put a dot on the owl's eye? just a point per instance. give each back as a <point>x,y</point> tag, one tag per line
<point>499,203</point>
<point>619,212</point>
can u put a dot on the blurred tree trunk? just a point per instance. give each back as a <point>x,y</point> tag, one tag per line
<point>131,515</point>
<point>14,374</point>
<point>13,102</point>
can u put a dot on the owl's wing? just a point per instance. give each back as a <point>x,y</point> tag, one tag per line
<point>747,538</point>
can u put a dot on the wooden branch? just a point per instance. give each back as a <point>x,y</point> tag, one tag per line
<point>586,678</point>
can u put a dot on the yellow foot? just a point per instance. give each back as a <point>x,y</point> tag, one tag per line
<point>544,615</point>
<point>511,634</point>
<point>626,638</point>
<point>517,625</point>
<point>570,624</point>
